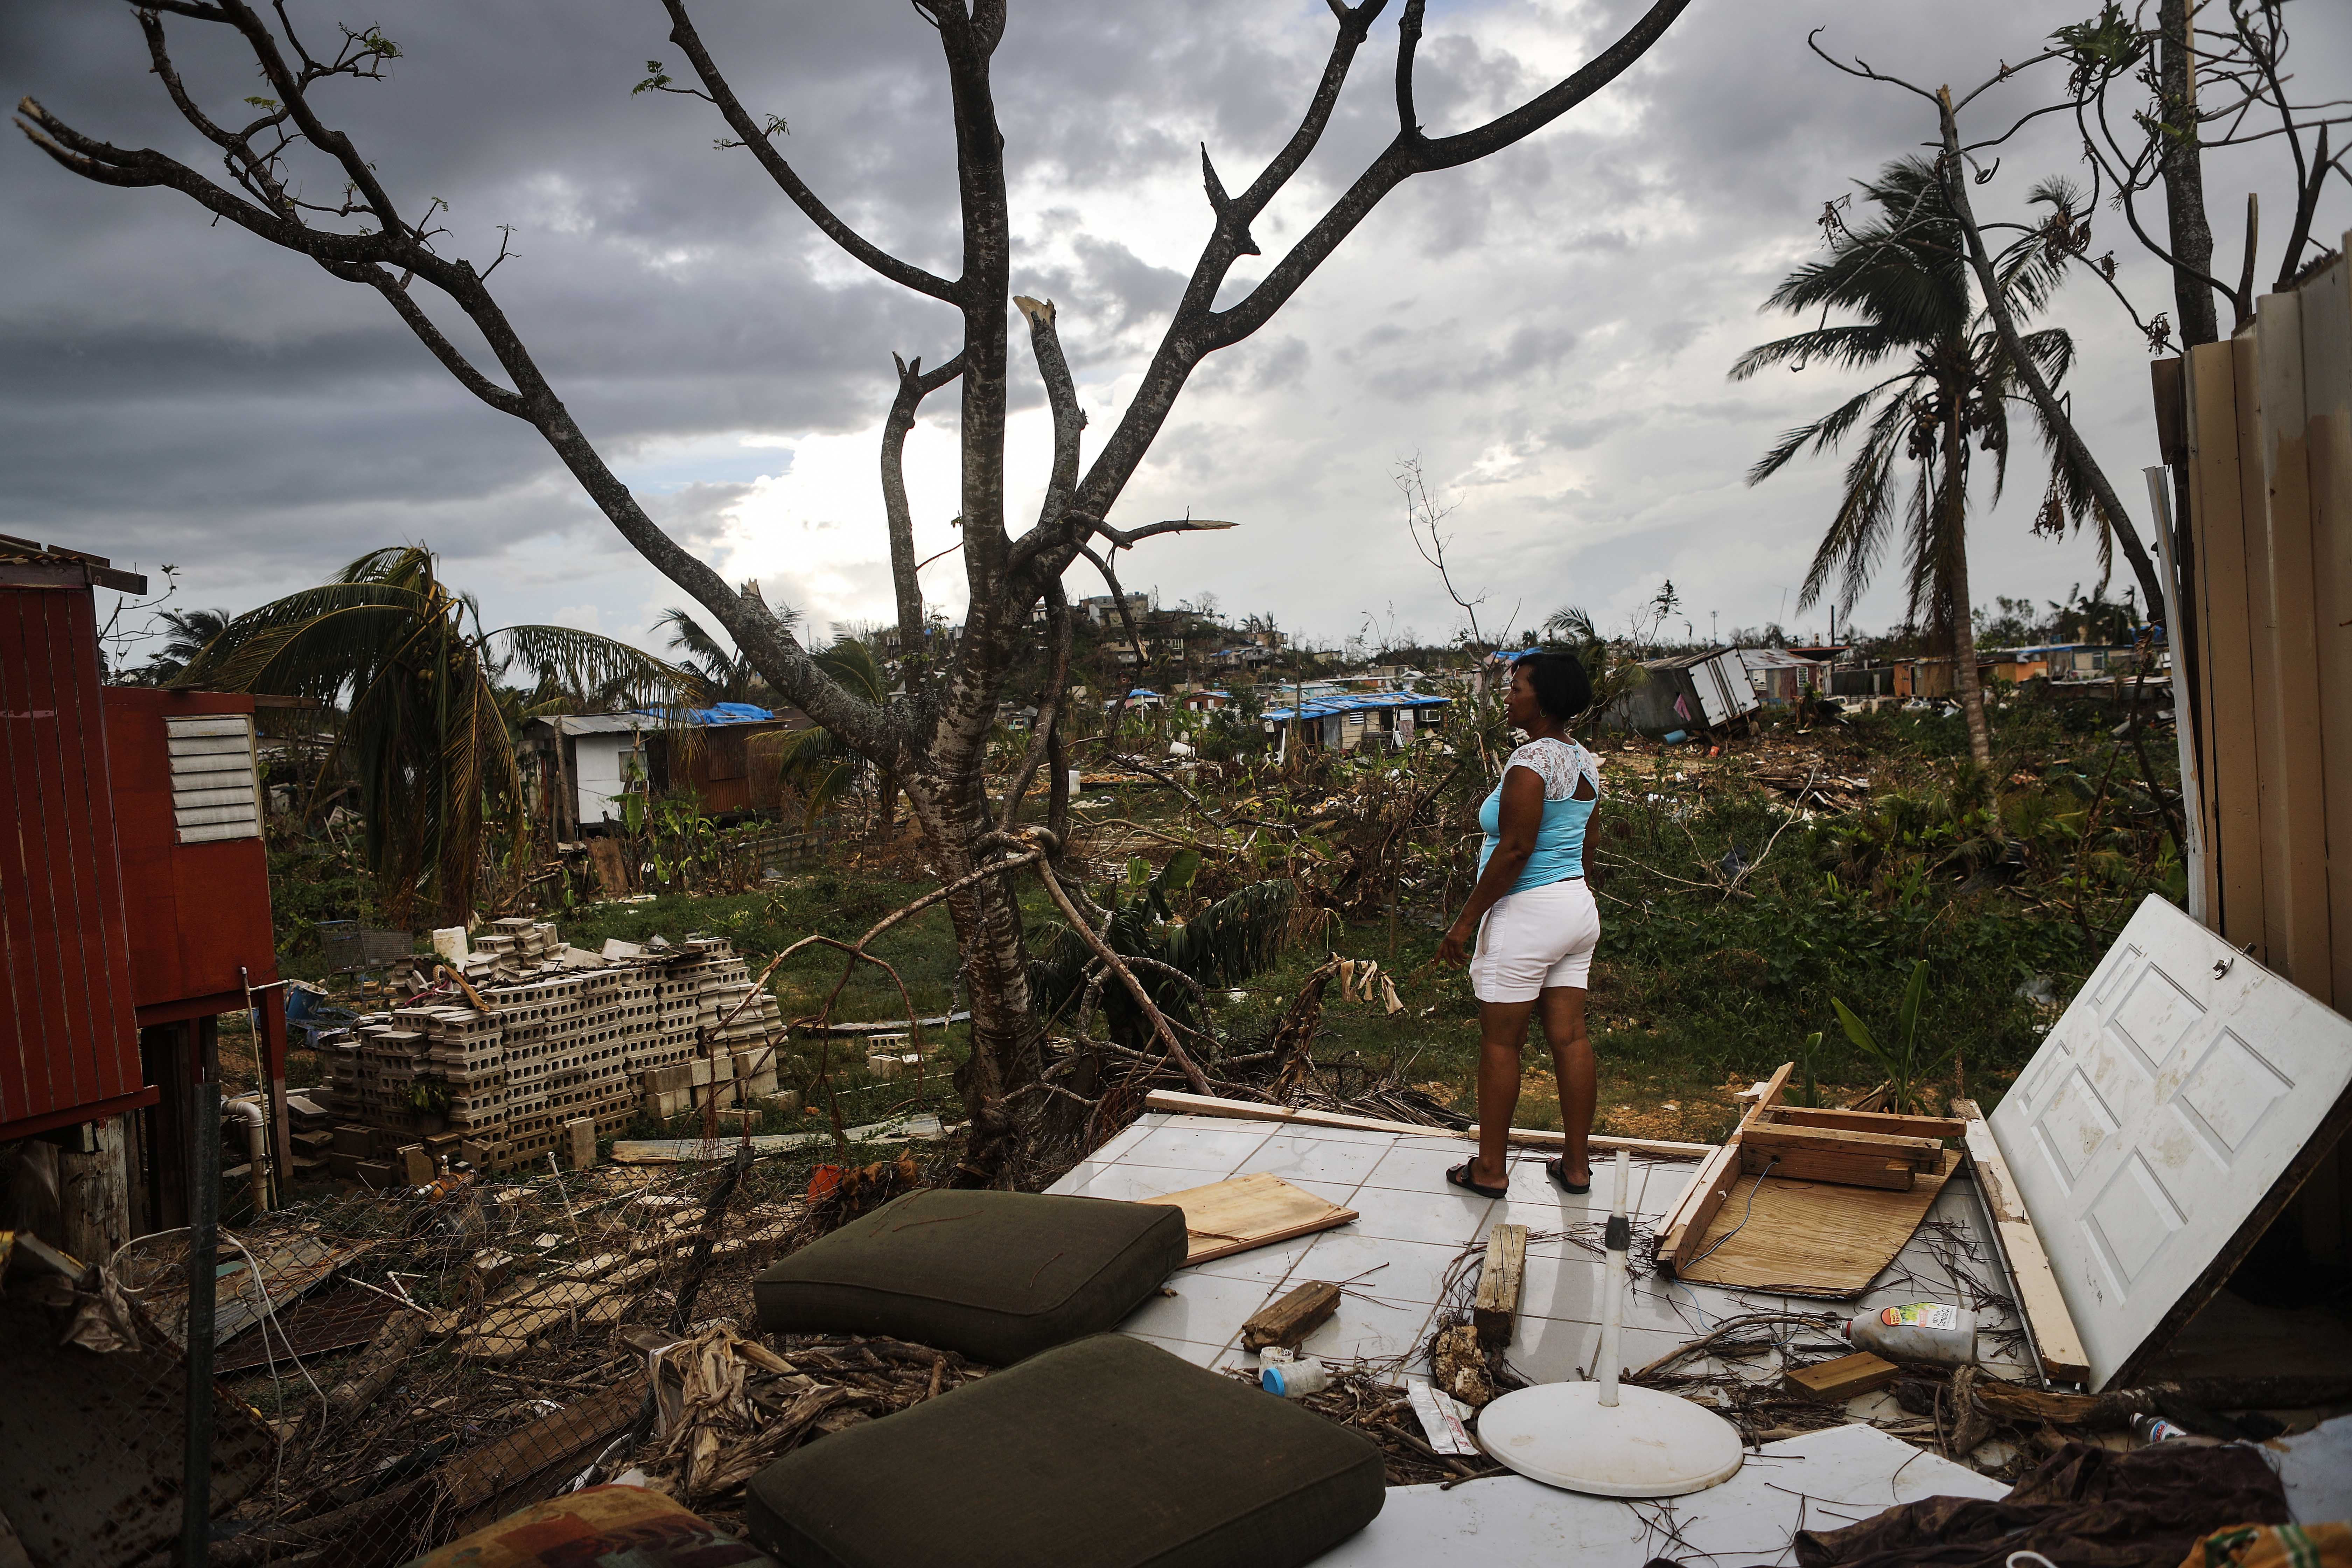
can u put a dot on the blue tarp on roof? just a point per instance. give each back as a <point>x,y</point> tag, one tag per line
<point>1324,707</point>
<point>723,713</point>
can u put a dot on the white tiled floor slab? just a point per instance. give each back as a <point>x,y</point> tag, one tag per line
<point>1511,1522</point>
<point>1198,1143</point>
<point>1411,1221</point>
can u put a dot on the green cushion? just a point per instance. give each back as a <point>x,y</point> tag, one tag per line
<point>1107,1453</point>
<point>992,1276</point>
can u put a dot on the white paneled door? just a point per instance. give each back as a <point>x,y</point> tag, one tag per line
<point>2164,1105</point>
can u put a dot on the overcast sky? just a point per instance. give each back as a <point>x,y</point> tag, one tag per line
<point>1549,330</point>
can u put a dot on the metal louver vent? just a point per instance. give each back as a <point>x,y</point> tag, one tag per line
<point>214,793</point>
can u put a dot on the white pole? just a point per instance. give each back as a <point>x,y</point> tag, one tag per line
<point>1619,1241</point>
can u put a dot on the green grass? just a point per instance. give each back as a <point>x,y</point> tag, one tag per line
<point>1993,880</point>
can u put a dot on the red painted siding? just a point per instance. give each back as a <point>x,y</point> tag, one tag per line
<point>197,910</point>
<point>68,1037</point>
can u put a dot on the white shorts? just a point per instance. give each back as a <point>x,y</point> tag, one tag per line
<point>1534,939</point>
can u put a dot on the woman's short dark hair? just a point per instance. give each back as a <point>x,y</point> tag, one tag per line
<point>1562,688</point>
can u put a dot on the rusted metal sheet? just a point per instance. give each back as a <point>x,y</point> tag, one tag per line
<point>68,1037</point>
<point>90,1461</point>
<point>318,1326</point>
<point>287,1268</point>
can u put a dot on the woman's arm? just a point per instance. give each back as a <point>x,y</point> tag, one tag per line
<point>1522,819</point>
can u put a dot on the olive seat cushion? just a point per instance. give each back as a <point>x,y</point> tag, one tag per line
<point>992,1276</point>
<point>1105,1453</point>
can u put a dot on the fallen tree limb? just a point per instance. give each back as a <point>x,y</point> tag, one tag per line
<point>2115,1411</point>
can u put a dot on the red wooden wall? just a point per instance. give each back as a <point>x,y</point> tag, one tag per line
<point>68,1040</point>
<point>196,910</point>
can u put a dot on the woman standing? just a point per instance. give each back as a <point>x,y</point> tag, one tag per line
<point>1534,920</point>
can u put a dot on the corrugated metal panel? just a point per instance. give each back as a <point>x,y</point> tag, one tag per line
<point>67,1034</point>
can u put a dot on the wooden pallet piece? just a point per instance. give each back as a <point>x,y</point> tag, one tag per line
<point>1496,1308</point>
<point>1843,1166</point>
<point>1292,1317</point>
<point>2039,1301</point>
<point>1826,1240</point>
<point>1843,1379</point>
<point>1920,1154</point>
<point>1938,1127</point>
<point>1714,1179</point>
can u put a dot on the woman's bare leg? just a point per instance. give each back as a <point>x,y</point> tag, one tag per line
<point>1571,1059</point>
<point>1502,1030</point>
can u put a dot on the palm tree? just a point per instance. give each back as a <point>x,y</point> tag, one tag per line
<point>185,634</point>
<point>424,729</point>
<point>818,761</point>
<point>725,673</point>
<point>1906,275</point>
<point>1612,675</point>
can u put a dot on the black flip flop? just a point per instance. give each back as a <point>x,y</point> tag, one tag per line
<point>1558,1171</point>
<point>1460,1178</point>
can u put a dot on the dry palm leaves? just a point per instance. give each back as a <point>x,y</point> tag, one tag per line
<point>730,1407</point>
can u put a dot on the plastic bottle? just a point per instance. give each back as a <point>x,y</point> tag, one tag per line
<point>1935,1332</point>
<point>2150,1429</point>
<point>1293,1379</point>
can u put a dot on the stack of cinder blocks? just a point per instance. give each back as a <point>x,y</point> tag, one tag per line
<point>567,1037</point>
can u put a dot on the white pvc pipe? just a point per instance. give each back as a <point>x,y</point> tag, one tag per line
<point>1613,1290</point>
<point>256,1145</point>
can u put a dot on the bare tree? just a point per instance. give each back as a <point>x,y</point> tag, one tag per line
<point>934,738</point>
<point>1425,518</point>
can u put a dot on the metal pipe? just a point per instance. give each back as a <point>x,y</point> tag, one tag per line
<point>1619,1241</point>
<point>203,1244</point>
<point>257,1146</point>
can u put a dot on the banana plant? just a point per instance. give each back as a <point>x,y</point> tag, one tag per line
<point>1907,1069</point>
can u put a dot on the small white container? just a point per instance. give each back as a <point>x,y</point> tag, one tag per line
<point>1934,1331</point>
<point>1295,1379</point>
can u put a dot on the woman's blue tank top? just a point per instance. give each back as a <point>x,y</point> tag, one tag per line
<point>1559,841</point>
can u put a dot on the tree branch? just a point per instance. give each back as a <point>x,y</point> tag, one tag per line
<point>757,138</point>
<point>914,385</point>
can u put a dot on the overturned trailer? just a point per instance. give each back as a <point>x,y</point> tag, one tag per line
<point>1689,691</point>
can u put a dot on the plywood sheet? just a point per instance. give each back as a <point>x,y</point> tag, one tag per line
<point>1810,1238</point>
<point>2167,1116</point>
<point>1242,1212</point>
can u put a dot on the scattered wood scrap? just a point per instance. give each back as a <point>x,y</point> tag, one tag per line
<point>1242,1211</point>
<point>1291,1317</point>
<point>1496,1308</point>
<point>1848,1376</point>
<point>2039,1301</point>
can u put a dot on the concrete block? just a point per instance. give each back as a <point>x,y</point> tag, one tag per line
<point>699,1071</point>
<point>373,1172</point>
<point>580,1141</point>
<point>356,1141</point>
<point>474,1152</point>
<point>414,1165</point>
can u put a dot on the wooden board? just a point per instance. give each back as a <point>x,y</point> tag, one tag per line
<point>1869,1122</point>
<point>1496,1305</point>
<point>1920,1154</point>
<point>1181,1104</point>
<point>1808,1239</point>
<point>2039,1302</point>
<point>1704,1198</point>
<point>1861,1373</point>
<point>1292,1318</point>
<point>1242,1211</point>
<point>1834,1165</point>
